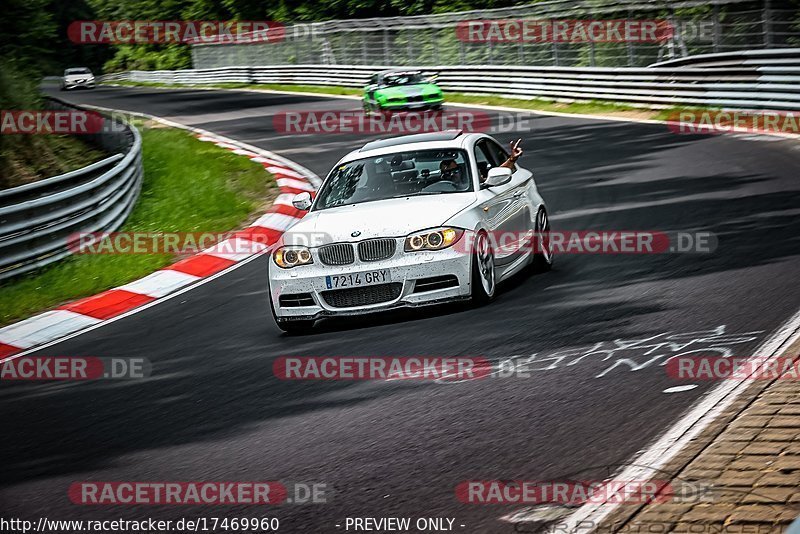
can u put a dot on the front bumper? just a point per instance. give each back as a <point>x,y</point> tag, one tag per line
<point>405,269</point>
<point>412,106</point>
<point>88,84</point>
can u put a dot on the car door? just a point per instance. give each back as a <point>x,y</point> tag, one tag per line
<point>521,183</point>
<point>498,206</point>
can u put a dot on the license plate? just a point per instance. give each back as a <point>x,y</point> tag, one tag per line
<point>366,278</point>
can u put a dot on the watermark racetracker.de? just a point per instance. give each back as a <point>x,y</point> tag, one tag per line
<point>405,122</point>
<point>699,121</point>
<point>197,493</point>
<point>563,31</point>
<point>175,31</point>
<point>39,368</point>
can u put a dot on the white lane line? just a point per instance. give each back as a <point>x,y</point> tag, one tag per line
<point>160,283</point>
<point>680,389</point>
<point>236,249</point>
<point>140,309</point>
<point>44,327</point>
<point>699,417</point>
<point>261,159</point>
<point>241,152</point>
<point>285,172</point>
<point>295,184</point>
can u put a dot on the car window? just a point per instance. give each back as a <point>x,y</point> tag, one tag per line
<point>483,159</point>
<point>497,154</point>
<point>402,174</point>
<point>403,78</point>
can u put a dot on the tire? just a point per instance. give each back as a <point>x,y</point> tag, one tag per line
<point>543,259</point>
<point>484,283</point>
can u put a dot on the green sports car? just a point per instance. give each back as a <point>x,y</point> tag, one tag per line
<point>396,90</point>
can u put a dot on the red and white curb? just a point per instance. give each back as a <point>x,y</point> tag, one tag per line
<point>73,317</point>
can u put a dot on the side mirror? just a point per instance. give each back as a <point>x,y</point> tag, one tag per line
<point>302,201</point>
<point>497,176</point>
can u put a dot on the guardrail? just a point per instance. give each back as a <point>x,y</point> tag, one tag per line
<point>780,57</point>
<point>750,85</point>
<point>39,219</point>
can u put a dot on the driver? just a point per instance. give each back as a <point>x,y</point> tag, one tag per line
<point>452,172</point>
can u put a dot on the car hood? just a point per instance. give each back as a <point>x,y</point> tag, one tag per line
<point>395,217</point>
<point>76,77</point>
<point>409,90</point>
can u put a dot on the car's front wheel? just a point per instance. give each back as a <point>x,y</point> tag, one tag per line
<point>483,271</point>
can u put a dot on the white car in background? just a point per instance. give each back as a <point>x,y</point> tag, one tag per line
<point>405,222</point>
<point>77,77</point>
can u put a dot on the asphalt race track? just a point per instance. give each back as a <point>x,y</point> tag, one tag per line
<point>213,409</point>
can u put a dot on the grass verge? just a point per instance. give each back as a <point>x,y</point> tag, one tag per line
<point>189,186</point>
<point>594,107</point>
<point>323,90</point>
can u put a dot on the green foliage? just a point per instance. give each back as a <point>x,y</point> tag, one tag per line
<point>27,32</point>
<point>214,190</point>
<point>25,158</point>
<point>175,56</point>
<point>149,57</point>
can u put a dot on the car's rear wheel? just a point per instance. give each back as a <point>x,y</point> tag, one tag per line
<point>543,255</point>
<point>483,271</point>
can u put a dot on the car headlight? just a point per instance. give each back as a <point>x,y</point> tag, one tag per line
<point>292,256</point>
<point>435,239</point>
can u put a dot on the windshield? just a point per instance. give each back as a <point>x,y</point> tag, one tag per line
<point>404,174</point>
<point>403,78</point>
<point>77,71</point>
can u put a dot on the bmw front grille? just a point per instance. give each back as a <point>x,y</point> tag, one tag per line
<point>337,254</point>
<point>376,249</point>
